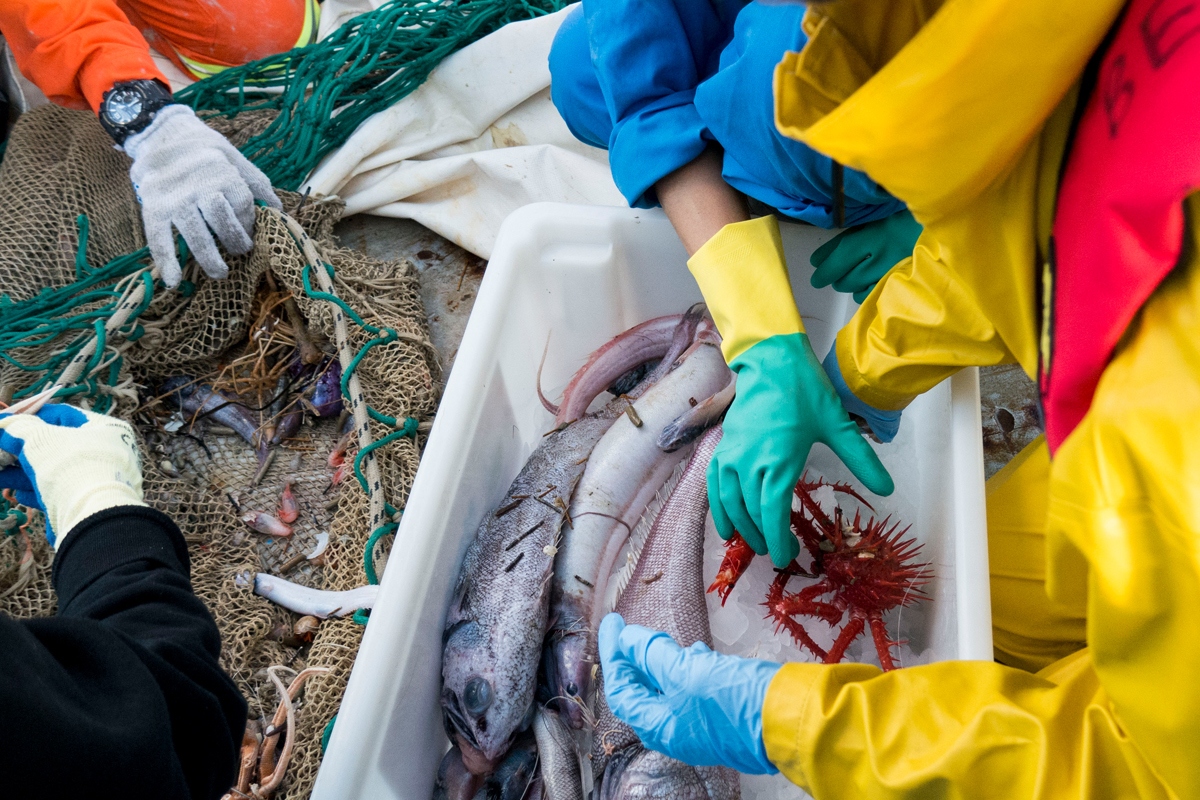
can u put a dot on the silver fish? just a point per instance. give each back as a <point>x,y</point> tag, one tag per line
<point>497,619</point>
<point>623,475</point>
<point>561,779</point>
<point>665,591</point>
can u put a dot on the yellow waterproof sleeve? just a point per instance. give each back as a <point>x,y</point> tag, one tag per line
<point>744,279</point>
<point>1118,719</point>
<point>954,729</point>
<point>919,326</point>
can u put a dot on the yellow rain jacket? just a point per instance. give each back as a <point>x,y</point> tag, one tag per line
<point>961,109</point>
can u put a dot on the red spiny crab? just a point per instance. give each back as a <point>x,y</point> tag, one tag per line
<point>861,571</point>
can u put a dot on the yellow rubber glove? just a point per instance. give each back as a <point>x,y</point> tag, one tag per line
<point>784,403</point>
<point>70,464</point>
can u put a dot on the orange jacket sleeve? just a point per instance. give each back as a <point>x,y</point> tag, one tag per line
<point>75,50</point>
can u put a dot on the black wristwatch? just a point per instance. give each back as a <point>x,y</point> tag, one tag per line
<point>129,106</point>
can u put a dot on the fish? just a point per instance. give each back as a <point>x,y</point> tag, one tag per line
<point>265,523</point>
<point>195,399</point>
<point>696,420</point>
<point>664,591</point>
<point>454,780</point>
<point>314,602</point>
<point>289,510</point>
<point>558,757</point>
<point>662,339</point>
<point>492,640</point>
<point>623,475</point>
<point>515,775</point>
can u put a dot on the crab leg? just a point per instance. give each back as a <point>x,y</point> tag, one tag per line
<point>849,633</point>
<point>883,645</point>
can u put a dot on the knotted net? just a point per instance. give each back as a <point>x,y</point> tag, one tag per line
<point>60,165</point>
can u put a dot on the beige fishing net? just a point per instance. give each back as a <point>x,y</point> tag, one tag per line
<point>60,164</point>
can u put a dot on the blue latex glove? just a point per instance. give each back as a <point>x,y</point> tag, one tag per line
<point>784,405</point>
<point>70,464</point>
<point>855,259</point>
<point>694,705</point>
<point>884,424</point>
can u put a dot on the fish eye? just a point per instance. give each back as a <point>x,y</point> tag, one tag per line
<point>477,696</point>
<point>572,688</point>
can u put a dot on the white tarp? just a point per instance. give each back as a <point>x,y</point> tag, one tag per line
<point>479,139</point>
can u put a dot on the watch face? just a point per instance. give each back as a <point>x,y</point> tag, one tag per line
<point>123,106</point>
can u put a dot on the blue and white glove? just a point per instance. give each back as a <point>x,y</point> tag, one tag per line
<point>70,464</point>
<point>190,177</point>
<point>884,424</point>
<point>692,704</point>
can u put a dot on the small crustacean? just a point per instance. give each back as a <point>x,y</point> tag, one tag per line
<point>288,508</point>
<point>265,523</point>
<point>738,556</point>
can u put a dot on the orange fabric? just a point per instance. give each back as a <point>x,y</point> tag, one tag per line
<point>224,33</point>
<point>75,50</point>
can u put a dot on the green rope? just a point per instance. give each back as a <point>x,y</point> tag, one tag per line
<point>327,733</point>
<point>324,91</point>
<point>406,428</point>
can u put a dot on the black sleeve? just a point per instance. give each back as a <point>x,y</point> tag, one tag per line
<point>121,694</point>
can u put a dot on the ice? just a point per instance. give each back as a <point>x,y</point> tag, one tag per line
<point>728,623</point>
<point>740,627</point>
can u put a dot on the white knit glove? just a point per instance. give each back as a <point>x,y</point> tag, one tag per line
<point>189,176</point>
<point>70,464</point>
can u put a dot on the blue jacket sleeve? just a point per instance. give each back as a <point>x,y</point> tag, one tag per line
<point>649,57</point>
<point>737,105</point>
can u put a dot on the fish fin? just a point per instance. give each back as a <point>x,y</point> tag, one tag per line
<point>641,531</point>
<point>553,409</point>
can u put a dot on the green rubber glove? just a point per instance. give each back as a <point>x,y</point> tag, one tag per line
<point>784,405</point>
<point>855,259</point>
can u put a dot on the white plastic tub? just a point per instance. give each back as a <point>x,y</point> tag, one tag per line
<point>582,274</point>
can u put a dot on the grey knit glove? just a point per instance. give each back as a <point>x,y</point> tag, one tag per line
<point>189,176</point>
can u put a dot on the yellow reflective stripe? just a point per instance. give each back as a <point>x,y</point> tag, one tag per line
<point>308,35</point>
<point>743,277</point>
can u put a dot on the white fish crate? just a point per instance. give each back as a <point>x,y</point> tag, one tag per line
<point>580,275</point>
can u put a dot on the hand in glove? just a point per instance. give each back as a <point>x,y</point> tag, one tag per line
<point>884,424</point>
<point>71,464</point>
<point>692,704</point>
<point>189,176</point>
<point>784,402</point>
<point>855,259</point>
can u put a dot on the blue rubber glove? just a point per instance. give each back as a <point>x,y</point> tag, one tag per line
<point>694,705</point>
<point>784,405</point>
<point>884,424</point>
<point>70,464</point>
<point>855,259</point>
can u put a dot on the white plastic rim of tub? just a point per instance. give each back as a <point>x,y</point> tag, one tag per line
<point>579,274</point>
